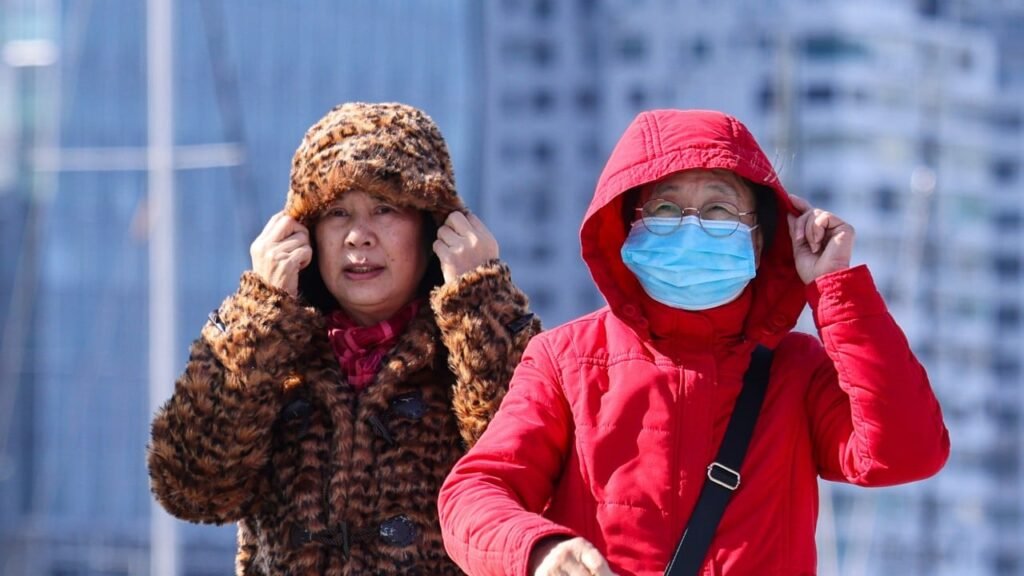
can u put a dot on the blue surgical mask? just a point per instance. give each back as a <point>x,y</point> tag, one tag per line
<point>687,268</point>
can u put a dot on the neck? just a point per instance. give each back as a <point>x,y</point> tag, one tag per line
<point>704,329</point>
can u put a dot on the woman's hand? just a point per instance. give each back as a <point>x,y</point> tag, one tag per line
<point>280,251</point>
<point>822,242</point>
<point>572,557</point>
<point>463,243</point>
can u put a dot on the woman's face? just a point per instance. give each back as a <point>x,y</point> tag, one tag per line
<point>697,188</point>
<point>371,255</point>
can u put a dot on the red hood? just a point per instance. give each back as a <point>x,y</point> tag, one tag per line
<point>656,144</point>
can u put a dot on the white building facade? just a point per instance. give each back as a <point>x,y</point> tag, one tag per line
<point>894,115</point>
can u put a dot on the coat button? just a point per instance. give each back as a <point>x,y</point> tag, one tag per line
<point>409,406</point>
<point>398,531</point>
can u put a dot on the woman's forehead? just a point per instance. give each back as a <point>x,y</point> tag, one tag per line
<point>720,181</point>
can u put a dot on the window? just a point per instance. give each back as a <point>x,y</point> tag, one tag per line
<point>820,196</point>
<point>1008,317</point>
<point>586,98</point>
<point>543,53</point>
<point>819,93</point>
<point>541,298</point>
<point>637,97</point>
<point>590,149</point>
<point>1006,561</point>
<point>1007,267</point>
<point>1008,220</point>
<point>543,101</point>
<point>543,9</point>
<point>766,96</point>
<point>541,253</point>
<point>1005,170</point>
<point>632,48</point>
<point>540,205</point>
<point>886,199</point>
<point>928,8</point>
<point>832,47</point>
<point>1006,367</point>
<point>543,152</point>
<point>965,60</point>
<point>522,51</point>
<point>700,48</point>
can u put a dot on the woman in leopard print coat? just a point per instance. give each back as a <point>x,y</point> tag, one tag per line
<point>325,401</point>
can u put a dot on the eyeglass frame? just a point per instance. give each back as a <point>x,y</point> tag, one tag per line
<point>700,221</point>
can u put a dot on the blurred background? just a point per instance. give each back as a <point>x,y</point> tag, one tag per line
<point>143,144</point>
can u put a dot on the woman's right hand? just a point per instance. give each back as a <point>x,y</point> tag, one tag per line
<point>574,556</point>
<point>281,251</point>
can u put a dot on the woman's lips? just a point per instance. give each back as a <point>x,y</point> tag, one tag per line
<point>362,271</point>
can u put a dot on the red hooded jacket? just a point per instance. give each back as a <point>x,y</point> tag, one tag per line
<point>612,419</point>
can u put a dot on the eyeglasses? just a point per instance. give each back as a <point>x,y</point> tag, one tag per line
<point>717,219</point>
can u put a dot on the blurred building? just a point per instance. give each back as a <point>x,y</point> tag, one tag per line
<point>250,77</point>
<point>543,91</point>
<point>903,117</point>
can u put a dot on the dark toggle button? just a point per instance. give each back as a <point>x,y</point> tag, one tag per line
<point>380,429</point>
<point>336,538</point>
<point>516,326</point>
<point>296,409</point>
<point>409,406</point>
<point>214,318</point>
<point>398,531</point>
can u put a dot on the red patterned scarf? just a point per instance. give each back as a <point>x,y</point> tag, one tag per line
<point>360,349</point>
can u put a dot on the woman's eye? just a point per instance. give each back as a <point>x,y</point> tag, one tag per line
<point>662,209</point>
<point>337,213</point>
<point>385,209</point>
<point>718,211</point>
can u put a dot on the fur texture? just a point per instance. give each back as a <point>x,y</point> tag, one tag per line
<point>233,445</point>
<point>391,150</point>
<point>262,429</point>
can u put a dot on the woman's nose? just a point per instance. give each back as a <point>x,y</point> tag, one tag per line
<point>359,235</point>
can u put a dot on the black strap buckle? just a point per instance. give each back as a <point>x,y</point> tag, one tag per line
<point>723,476</point>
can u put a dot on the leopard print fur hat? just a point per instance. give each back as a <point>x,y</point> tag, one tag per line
<point>390,150</point>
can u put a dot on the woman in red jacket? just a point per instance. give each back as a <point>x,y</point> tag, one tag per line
<point>598,453</point>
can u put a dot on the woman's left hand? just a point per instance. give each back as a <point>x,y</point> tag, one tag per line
<point>463,243</point>
<point>822,242</point>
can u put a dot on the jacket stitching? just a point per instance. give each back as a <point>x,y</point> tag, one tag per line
<point>863,447</point>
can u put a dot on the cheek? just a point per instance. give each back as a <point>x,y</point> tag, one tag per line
<point>328,248</point>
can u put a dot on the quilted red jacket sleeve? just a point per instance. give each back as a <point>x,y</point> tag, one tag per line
<point>501,491</point>
<point>874,418</point>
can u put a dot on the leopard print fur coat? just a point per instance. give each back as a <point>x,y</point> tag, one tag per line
<point>263,431</point>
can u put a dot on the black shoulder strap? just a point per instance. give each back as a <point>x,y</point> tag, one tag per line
<point>723,476</point>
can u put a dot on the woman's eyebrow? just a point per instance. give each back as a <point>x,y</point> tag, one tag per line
<point>724,188</point>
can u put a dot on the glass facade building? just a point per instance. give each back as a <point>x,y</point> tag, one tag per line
<point>249,78</point>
